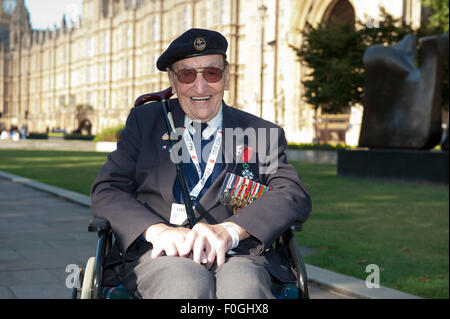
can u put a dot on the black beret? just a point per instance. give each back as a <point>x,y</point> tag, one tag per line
<point>194,42</point>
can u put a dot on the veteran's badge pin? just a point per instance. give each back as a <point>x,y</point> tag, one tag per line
<point>165,137</point>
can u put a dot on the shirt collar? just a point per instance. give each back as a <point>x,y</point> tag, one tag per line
<point>213,125</point>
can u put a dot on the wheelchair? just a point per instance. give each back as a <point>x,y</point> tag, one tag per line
<point>91,277</point>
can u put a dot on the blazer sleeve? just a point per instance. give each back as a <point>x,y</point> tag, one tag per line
<point>271,215</point>
<point>113,193</point>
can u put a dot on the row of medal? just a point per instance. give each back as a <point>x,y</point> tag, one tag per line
<point>238,191</point>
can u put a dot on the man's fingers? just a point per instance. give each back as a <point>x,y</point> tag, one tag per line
<point>206,252</point>
<point>210,257</point>
<point>220,257</point>
<point>156,251</point>
<point>186,247</point>
<point>171,250</point>
<point>198,249</point>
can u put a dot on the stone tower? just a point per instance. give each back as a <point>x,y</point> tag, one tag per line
<point>20,27</point>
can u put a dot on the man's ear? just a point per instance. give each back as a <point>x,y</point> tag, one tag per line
<point>226,77</point>
<point>171,80</point>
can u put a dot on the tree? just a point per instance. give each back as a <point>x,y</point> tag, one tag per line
<point>333,53</point>
<point>439,16</point>
<point>439,22</point>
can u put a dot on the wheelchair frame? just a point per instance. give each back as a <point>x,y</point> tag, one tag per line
<point>93,287</point>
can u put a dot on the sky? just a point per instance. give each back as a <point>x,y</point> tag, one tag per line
<point>48,13</point>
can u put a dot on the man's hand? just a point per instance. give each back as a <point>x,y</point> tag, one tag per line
<point>210,242</point>
<point>166,239</point>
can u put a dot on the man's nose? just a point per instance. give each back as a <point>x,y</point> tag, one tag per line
<point>200,83</point>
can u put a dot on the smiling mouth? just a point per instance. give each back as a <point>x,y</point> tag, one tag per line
<point>200,98</point>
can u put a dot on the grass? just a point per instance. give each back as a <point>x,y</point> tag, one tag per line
<point>404,229</point>
<point>75,171</point>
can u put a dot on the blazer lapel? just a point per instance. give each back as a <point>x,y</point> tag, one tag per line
<point>167,170</point>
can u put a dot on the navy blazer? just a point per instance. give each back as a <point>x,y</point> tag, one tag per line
<point>134,188</point>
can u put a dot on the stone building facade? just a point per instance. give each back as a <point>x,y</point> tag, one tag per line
<point>86,74</point>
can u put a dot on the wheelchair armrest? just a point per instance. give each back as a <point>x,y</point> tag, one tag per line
<point>297,227</point>
<point>103,229</point>
<point>98,224</point>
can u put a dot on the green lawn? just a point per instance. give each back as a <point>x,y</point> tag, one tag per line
<point>404,229</point>
<point>71,170</point>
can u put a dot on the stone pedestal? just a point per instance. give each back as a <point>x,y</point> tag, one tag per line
<point>417,166</point>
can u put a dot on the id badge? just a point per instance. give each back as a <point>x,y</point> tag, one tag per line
<point>178,214</point>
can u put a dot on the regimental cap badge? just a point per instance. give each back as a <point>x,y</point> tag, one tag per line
<point>200,44</point>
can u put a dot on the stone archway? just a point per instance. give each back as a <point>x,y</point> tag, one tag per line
<point>314,12</point>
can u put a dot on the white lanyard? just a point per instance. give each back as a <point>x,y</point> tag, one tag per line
<point>211,160</point>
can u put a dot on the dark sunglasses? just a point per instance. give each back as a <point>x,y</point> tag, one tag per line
<point>211,74</point>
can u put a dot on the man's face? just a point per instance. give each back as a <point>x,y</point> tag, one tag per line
<point>200,100</point>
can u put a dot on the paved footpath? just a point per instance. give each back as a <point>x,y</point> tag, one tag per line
<point>40,234</point>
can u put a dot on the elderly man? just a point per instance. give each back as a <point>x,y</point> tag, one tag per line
<point>228,253</point>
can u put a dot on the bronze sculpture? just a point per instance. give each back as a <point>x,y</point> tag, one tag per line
<point>402,107</point>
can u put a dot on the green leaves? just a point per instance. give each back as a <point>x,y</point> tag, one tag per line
<point>439,16</point>
<point>333,55</point>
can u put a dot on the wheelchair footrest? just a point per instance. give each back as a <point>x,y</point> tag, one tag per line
<point>285,291</point>
<point>118,292</point>
<point>280,291</point>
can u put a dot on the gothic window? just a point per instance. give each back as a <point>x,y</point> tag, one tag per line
<point>106,43</point>
<point>223,12</point>
<point>88,99</point>
<point>185,18</point>
<point>89,78</point>
<point>202,17</point>
<point>127,4</point>
<point>72,100</point>
<point>105,8</point>
<point>116,7</point>
<point>62,100</point>
<point>126,101</point>
<point>129,36</point>
<point>340,11</point>
<point>155,29</point>
<point>89,47</point>
<point>6,67</point>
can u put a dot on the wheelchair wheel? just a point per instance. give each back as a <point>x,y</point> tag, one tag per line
<point>88,279</point>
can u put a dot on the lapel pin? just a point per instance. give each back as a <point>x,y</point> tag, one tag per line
<point>165,137</point>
